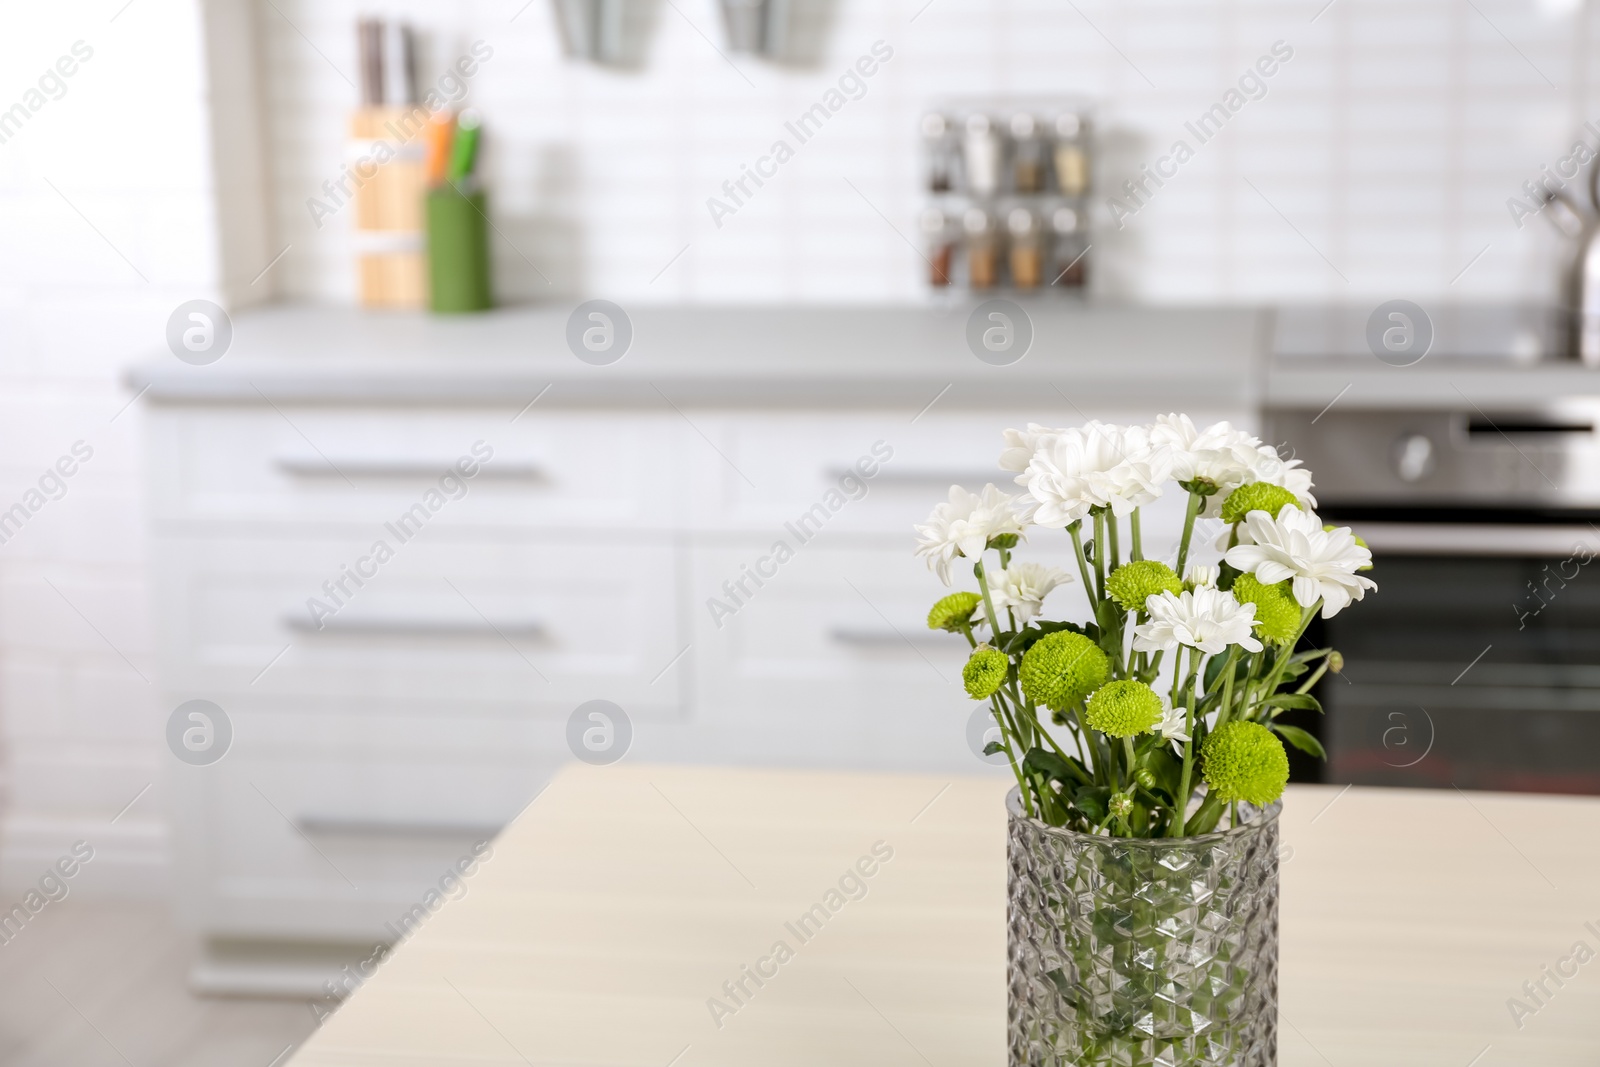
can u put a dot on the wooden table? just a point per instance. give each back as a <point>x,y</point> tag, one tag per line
<point>602,929</point>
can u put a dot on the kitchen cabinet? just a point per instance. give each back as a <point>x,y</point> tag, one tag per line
<point>390,707</point>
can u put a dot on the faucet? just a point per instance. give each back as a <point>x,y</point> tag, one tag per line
<point>1581,287</point>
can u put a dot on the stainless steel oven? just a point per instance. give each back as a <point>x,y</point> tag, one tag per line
<point>1477,662</point>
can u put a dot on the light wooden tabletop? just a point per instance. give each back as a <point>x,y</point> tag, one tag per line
<point>604,926</point>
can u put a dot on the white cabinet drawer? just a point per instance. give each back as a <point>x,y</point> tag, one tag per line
<point>371,466</point>
<point>533,625</point>
<point>337,847</point>
<point>805,471</point>
<point>831,661</point>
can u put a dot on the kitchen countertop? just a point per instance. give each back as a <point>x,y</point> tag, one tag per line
<point>834,357</point>
<point>624,897</point>
<point>1431,384</point>
<point>788,356</point>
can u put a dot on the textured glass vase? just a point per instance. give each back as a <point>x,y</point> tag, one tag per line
<point>1131,952</point>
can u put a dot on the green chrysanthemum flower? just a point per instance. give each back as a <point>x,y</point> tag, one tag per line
<point>1131,584</point>
<point>1277,613</point>
<point>1256,496</point>
<point>984,672</point>
<point>1124,708</point>
<point>1061,669</point>
<point>1245,761</point>
<point>951,611</point>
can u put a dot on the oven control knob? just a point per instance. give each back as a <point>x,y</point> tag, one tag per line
<point>1414,457</point>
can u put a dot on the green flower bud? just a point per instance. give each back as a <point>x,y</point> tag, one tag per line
<point>1120,804</point>
<point>1124,708</point>
<point>984,672</point>
<point>953,611</point>
<point>1256,496</point>
<point>1131,584</point>
<point>1145,777</point>
<point>1335,662</point>
<point>1277,611</point>
<point>1061,669</point>
<point>1245,761</point>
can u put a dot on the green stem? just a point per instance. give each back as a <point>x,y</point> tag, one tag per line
<point>1270,686</point>
<point>988,605</point>
<point>1316,677</point>
<point>1227,687</point>
<point>1113,534</point>
<point>1076,530</point>
<point>997,710</point>
<point>1181,814</point>
<point>1136,547</point>
<point>1099,556</point>
<point>1189,515</point>
<point>1127,748</point>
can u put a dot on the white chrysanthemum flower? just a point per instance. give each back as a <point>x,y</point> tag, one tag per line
<point>1273,468</point>
<point>1322,563</point>
<point>1096,465</point>
<point>1174,721</point>
<point>1022,587</point>
<point>1202,576</point>
<point>1020,445</point>
<point>963,525</point>
<point>1208,619</point>
<point>1227,458</point>
<point>1221,455</point>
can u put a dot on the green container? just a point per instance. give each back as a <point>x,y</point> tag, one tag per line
<point>458,250</point>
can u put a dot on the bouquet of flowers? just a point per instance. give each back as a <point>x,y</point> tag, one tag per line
<point>1178,677</point>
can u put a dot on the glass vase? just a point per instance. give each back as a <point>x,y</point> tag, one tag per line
<point>1143,952</point>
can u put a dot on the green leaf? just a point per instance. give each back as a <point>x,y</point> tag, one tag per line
<point>1092,801</point>
<point>1292,700</point>
<point>1302,740</point>
<point>1048,765</point>
<point>992,748</point>
<point>1014,644</point>
<point>1110,618</point>
<point>1206,816</point>
<point>1167,768</point>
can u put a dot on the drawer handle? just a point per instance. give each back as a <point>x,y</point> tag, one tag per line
<point>885,638</point>
<point>922,479</point>
<point>330,826</point>
<point>316,467</point>
<point>403,627</point>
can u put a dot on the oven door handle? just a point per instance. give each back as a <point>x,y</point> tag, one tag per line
<point>1479,539</point>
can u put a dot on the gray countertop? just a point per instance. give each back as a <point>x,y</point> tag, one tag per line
<point>829,357</point>
<point>739,356</point>
<point>1432,383</point>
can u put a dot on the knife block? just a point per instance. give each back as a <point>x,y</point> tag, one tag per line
<point>388,231</point>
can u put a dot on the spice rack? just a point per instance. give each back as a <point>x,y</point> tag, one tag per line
<point>1008,188</point>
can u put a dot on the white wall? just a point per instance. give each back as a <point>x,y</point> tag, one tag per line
<point>108,212</point>
<point>1390,142</point>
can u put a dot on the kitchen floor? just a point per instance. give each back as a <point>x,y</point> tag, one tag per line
<point>97,983</point>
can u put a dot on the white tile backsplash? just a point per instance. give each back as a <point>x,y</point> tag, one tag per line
<point>1389,141</point>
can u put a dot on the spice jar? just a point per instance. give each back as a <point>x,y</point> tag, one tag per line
<point>1071,154</point>
<point>1026,255</point>
<point>1027,154</point>
<point>982,255</point>
<point>981,151</point>
<point>940,151</point>
<point>940,240</point>
<point>1069,247</point>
